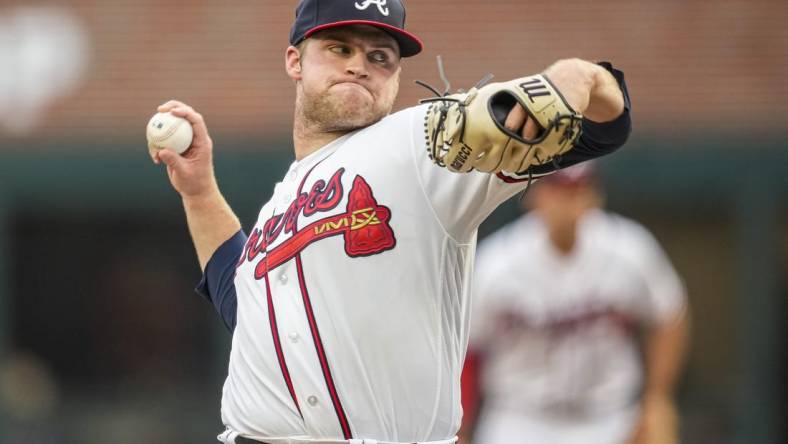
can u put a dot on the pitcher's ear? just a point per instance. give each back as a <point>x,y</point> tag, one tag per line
<point>293,62</point>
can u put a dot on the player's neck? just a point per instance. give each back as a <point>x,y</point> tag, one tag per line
<point>307,140</point>
<point>564,239</point>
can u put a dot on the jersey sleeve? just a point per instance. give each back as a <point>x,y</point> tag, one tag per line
<point>486,286</point>
<point>460,201</point>
<point>218,281</point>
<point>665,294</point>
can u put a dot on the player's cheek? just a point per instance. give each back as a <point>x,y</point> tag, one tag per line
<point>391,89</point>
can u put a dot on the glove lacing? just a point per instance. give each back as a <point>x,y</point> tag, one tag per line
<point>436,153</point>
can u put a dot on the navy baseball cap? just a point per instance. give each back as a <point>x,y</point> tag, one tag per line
<point>388,15</point>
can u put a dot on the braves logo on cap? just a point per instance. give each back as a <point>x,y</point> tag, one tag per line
<point>381,4</point>
<point>313,16</point>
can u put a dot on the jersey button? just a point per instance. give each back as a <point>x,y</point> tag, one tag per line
<point>312,400</point>
<point>292,175</point>
<point>293,337</point>
<point>282,278</point>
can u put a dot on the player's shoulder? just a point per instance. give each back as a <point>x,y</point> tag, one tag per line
<point>623,235</point>
<point>392,136</point>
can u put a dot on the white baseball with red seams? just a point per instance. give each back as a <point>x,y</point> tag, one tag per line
<point>166,130</point>
<point>353,293</point>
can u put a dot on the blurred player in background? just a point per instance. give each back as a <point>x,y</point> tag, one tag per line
<point>563,296</point>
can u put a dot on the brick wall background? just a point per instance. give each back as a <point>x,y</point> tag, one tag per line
<point>692,66</point>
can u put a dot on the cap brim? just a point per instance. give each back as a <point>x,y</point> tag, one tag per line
<point>409,44</point>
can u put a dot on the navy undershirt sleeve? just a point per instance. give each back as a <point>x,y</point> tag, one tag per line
<point>218,281</point>
<point>597,139</point>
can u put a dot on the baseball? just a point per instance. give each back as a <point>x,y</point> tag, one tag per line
<point>168,131</point>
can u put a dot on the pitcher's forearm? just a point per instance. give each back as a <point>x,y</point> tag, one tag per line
<point>589,88</point>
<point>607,99</point>
<point>666,350</point>
<point>211,222</point>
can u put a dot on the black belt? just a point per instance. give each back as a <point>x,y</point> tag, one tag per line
<point>242,440</point>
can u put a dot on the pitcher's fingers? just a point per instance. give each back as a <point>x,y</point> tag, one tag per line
<point>170,158</point>
<point>154,154</point>
<point>531,129</point>
<point>168,105</point>
<point>515,118</point>
<point>195,118</point>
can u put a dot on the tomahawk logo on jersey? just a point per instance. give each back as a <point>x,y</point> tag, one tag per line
<point>364,224</point>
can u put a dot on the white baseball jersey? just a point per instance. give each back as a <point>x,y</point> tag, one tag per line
<point>556,332</point>
<point>352,292</point>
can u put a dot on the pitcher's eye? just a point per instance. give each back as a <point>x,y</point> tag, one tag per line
<point>379,57</point>
<point>339,49</point>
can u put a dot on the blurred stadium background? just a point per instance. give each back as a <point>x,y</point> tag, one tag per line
<point>102,338</point>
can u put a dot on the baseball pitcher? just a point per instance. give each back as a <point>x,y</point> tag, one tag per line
<point>348,299</point>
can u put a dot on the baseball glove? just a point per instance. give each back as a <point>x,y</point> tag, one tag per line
<point>466,131</point>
